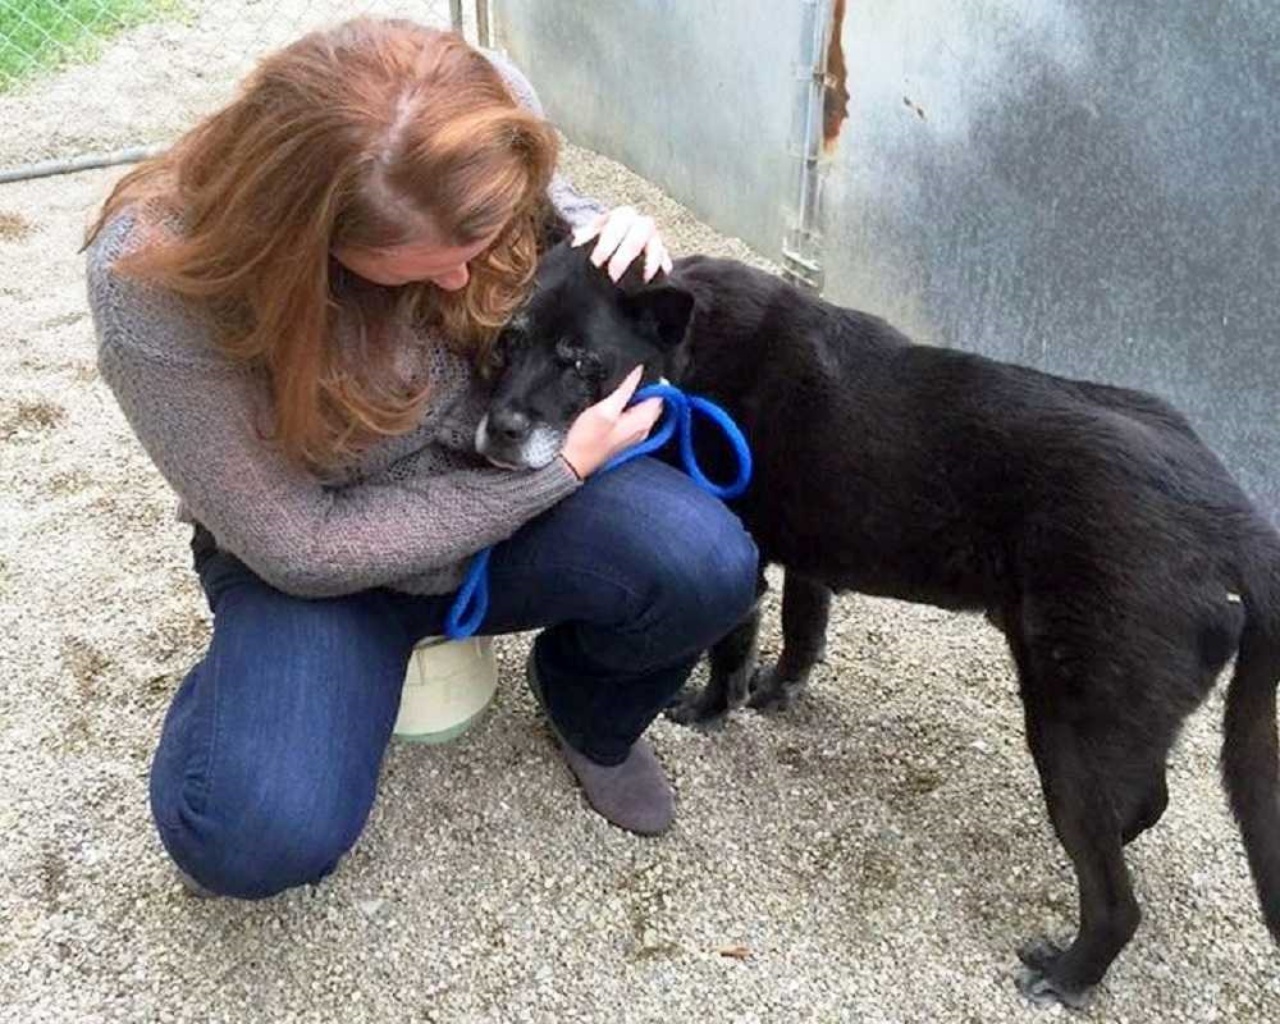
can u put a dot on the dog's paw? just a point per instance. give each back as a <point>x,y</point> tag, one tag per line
<point>692,710</point>
<point>1035,978</point>
<point>770,692</point>
<point>1040,954</point>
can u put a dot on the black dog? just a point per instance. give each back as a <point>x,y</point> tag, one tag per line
<point>1122,563</point>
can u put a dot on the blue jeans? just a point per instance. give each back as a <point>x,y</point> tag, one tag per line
<point>268,760</point>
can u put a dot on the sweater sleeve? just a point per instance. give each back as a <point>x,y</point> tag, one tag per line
<point>574,207</point>
<point>198,416</point>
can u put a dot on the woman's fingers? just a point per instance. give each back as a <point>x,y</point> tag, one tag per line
<point>641,417</point>
<point>656,257</point>
<point>612,232</point>
<point>636,239</point>
<point>609,427</point>
<point>588,231</point>
<point>621,236</point>
<point>617,401</point>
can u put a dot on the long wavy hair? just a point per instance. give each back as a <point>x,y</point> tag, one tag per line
<point>354,136</point>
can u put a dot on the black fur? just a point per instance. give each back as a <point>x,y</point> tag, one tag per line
<point>1121,561</point>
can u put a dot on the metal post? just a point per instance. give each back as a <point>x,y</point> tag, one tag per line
<point>802,246</point>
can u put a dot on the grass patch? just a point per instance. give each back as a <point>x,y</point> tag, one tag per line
<point>36,35</point>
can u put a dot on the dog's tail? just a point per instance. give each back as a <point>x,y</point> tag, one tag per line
<point>1250,751</point>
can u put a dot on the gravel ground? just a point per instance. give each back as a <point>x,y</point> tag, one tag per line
<point>873,855</point>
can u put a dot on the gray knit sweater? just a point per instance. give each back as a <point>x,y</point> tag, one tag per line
<point>406,513</point>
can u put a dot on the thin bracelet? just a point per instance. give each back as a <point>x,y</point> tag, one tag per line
<point>577,476</point>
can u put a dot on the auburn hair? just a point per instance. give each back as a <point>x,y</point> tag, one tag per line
<point>353,136</point>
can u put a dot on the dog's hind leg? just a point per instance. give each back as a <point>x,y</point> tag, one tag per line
<point>732,663</point>
<point>1147,808</point>
<point>1214,633</point>
<point>1084,821</point>
<point>1083,810</point>
<point>806,607</point>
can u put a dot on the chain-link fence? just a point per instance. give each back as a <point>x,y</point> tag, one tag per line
<point>83,78</point>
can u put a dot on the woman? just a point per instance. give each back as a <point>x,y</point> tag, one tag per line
<point>293,308</point>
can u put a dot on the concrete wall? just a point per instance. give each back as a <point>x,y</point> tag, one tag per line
<point>1085,186</point>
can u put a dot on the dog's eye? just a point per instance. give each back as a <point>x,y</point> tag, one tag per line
<point>584,363</point>
<point>588,367</point>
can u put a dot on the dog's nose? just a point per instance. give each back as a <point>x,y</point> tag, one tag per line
<point>510,425</point>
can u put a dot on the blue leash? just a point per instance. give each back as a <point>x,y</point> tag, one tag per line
<point>472,601</point>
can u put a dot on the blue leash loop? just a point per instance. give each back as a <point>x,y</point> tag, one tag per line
<point>471,603</point>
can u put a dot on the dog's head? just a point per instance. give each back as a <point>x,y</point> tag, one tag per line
<point>570,345</point>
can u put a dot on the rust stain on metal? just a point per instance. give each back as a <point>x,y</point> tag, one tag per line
<point>835,92</point>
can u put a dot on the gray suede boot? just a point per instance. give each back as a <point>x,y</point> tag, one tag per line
<point>634,795</point>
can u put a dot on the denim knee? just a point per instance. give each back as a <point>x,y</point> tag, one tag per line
<point>268,761</point>
<point>275,840</point>
<point>706,578</point>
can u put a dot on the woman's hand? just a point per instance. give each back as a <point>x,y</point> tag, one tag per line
<point>609,427</point>
<point>623,234</point>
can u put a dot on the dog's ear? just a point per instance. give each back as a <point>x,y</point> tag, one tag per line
<point>664,307</point>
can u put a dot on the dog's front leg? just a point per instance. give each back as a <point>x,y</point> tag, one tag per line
<point>806,606</point>
<point>732,664</point>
